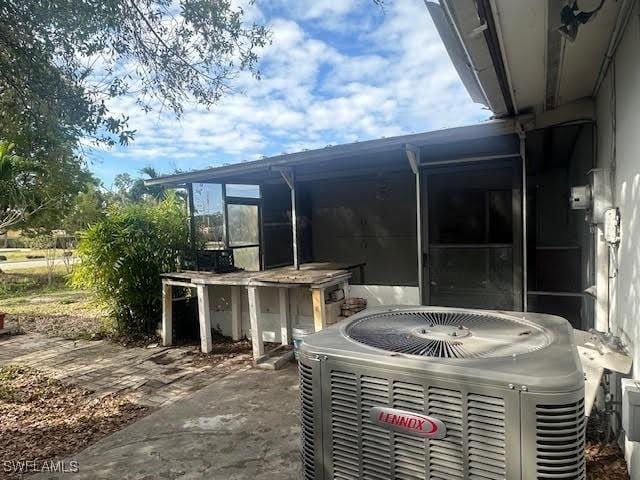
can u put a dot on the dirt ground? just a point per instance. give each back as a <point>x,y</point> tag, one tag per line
<point>44,419</point>
<point>225,349</point>
<point>605,462</point>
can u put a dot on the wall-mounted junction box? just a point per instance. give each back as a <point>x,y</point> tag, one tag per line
<point>580,197</point>
<point>631,408</point>
<point>611,225</point>
<point>595,197</point>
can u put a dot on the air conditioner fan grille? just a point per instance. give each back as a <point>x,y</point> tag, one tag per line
<point>448,333</point>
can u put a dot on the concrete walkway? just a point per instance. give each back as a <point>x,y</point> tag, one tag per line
<point>154,377</point>
<point>243,427</point>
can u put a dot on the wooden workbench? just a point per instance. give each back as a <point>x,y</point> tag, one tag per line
<point>315,276</point>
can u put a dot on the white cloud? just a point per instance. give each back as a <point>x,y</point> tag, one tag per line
<point>252,13</point>
<point>393,79</point>
<point>330,14</point>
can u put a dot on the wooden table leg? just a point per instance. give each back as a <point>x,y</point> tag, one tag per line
<point>319,309</point>
<point>236,313</point>
<point>204,317</point>
<point>255,313</point>
<point>285,316</point>
<point>167,314</point>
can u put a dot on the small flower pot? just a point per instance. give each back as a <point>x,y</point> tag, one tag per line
<point>2,314</point>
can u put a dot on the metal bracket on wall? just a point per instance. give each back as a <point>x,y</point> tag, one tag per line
<point>413,155</point>
<point>287,175</point>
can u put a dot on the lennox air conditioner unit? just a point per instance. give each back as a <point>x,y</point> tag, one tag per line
<point>438,393</point>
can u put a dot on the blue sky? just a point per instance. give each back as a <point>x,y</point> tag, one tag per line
<point>337,71</point>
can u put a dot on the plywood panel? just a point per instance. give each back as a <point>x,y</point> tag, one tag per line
<point>370,220</point>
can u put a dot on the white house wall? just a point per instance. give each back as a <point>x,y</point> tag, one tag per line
<point>622,101</point>
<point>299,303</point>
<point>377,295</point>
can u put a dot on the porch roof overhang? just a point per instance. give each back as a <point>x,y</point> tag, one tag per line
<point>512,57</point>
<point>496,137</point>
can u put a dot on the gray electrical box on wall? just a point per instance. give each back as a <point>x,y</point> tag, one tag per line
<point>631,408</point>
<point>580,197</point>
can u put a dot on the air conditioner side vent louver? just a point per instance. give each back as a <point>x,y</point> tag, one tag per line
<point>376,441</point>
<point>486,433</point>
<point>307,421</point>
<point>345,425</point>
<point>410,458</point>
<point>446,456</point>
<point>560,439</point>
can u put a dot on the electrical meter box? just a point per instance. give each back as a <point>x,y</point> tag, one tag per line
<point>631,408</point>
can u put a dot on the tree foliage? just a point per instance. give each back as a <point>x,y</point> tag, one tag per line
<point>61,60</point>
<point>123,256</point>
<point>130,189</point>
<point>87,208</point>
<point>10,166</point>
<point>37,190</point>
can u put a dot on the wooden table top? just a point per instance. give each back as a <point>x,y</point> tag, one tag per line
<point>309,274</point>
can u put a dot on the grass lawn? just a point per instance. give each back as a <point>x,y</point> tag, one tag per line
<point>32,280</point>
<point>34,304</point>
<point>21,254</point>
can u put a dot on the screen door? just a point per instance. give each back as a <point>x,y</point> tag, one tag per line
<point>243,224</point>
<point>472,237</point>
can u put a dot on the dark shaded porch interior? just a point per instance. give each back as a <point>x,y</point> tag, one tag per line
<point>361,207</point>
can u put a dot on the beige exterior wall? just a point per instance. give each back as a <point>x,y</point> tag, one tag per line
<point>618,110</point>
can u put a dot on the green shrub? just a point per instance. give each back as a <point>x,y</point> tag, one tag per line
<point>122,257</point>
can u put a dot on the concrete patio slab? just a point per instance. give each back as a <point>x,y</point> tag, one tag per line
<point>244,426</point>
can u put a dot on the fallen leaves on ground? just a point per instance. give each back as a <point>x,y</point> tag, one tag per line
<point>43,419</point>
<point>605,462</point>
<point>228,352</point>
<point>224,351</point>
<point>72,327</point>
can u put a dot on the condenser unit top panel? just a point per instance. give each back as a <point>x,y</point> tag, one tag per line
<point>510,349</point>
<point>449,333</point>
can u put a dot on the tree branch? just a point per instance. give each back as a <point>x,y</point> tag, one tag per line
<point>167,47</point>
